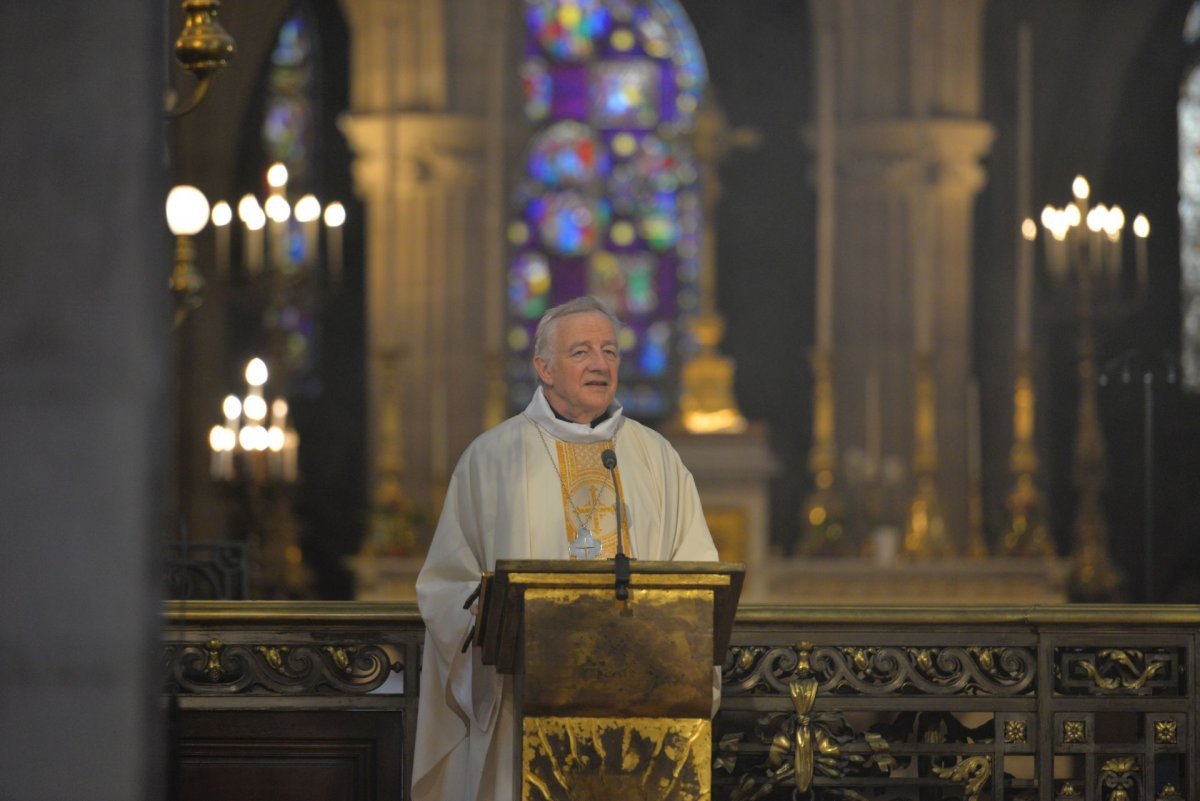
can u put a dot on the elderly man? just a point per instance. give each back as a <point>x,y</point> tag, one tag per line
<point>534,487</point>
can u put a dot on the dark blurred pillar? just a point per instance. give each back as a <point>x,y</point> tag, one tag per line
<point>84,263</point>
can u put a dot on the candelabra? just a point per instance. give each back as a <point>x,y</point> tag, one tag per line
<point>279,234</point>
<point>254,455</point>
<point>1083,247</point>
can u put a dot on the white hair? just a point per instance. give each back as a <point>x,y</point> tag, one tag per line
<point>543,338</point>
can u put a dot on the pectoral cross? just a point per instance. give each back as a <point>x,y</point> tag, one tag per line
<point>585,546</point>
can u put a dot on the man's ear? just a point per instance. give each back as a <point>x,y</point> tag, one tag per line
<point>543,370</point>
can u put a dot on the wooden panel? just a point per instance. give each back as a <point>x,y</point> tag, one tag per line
<point>291,756</point>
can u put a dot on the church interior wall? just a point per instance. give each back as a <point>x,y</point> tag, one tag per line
<point>764,238</point>
<point>1092,62</point>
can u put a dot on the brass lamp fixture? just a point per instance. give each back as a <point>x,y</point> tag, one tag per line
<point>203,49</point>
<point>187,214</point>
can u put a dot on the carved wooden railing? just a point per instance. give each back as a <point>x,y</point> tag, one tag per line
<point>1068,703</point>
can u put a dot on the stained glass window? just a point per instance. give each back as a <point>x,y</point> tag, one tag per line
<point>1189,215</point>
<point>289,138</point>
<point>609,204</point>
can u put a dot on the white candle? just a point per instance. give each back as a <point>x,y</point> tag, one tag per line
<point>1143,259</point>
<point>252,249</point>
<point>923,301</point>
<point>1024,289</point>
<point>1025,246</point>
<point>335,216</point>
<point>874,420</point>
<point>827,97</point>
<point>291,451</point>
<point>974,443</point>
<point>222,215</point>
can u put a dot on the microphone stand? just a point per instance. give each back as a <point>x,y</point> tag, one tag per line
<point>609,458</point>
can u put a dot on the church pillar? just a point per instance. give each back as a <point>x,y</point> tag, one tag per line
<point>84,329</point>
<point>427,166</point>
<point>418,176</point>
<point>906,136</point>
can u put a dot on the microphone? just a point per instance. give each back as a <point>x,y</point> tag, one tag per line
<point>609,459</point>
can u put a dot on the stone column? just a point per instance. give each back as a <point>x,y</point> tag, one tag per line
<point>909,136</point>
<point>419,178</point>
<point>84,326</point>
<point>429,167</point>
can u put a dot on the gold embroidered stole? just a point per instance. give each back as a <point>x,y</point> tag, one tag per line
<point>586,482</point>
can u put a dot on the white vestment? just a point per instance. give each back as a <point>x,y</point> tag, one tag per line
<point>505,501</point>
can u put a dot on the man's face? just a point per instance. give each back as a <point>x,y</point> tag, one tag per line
<point>580,379</point>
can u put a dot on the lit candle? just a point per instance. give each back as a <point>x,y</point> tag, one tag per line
<point>278,211</point>
<point>1141,231</point>
<point>1025,285</point>
<point>335,216</point>
<point>222,215</point>
<point>253,218</point>
<point>217,441</point>
<point>291,449</point>
<point>923,304</point>
<point>923,276</point>
<point>874,420</point>
<point>974,443</point>
<point>1025,246</point>
<point>308,214</point>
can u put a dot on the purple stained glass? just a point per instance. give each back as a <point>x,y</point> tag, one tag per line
<point>569,98</point>
<point>668,288</point>
<point>570,279</point>
<point>611,194</point>
<point>669,107</point>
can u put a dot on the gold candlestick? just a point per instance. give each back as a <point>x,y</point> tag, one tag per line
<point>822,513</point>
<point>925,534</point>
<point>1025,531</point>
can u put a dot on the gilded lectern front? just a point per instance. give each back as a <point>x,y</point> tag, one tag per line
<point>614,698</point>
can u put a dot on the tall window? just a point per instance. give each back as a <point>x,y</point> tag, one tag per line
<point>289,137</point>
<point>610,200</point>
<point>1189,207</point>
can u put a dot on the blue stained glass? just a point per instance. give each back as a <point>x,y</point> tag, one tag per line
<point>567,30</point>
<point>655,349</point>
<point>625,94</point>
<point>293,46</point>
<point>567,155</point>
<point>569,223</point>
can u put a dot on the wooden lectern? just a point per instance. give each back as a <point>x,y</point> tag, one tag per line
<point>614,698</point>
